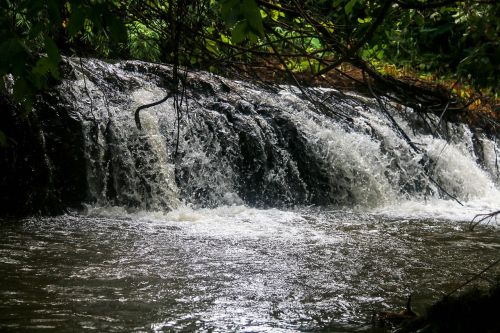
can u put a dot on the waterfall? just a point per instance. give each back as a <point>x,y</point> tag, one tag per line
<point>240,143</point>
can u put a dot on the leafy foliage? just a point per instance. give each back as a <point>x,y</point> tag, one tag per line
<point>461,40</point>
<point>455,39</point>
<point>34,32</point>
<point>244,18</point>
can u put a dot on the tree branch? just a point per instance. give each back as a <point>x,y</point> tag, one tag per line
<point>421,6</point>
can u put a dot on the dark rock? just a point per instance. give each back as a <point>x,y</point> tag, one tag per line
<point>43,168</point>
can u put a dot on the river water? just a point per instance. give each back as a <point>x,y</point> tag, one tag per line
<point>228,269</point>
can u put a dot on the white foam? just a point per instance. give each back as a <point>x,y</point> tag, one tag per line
<point>228,222</point>
<point>439,209</point>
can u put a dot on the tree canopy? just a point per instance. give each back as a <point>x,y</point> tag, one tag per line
<point>305,40</point>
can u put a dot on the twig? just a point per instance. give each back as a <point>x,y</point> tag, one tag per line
<point>493,264</point>
<point>388,115</point>
<point>482,217</point>
<point>441,117</point>
<point>146,106</point>
<point>405,136</point>
<point>444,191</point>
<point>299,86</point>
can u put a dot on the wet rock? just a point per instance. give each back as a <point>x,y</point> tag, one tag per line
<point>42,170</point>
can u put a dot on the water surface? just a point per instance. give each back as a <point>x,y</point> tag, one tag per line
<point>228,269</point>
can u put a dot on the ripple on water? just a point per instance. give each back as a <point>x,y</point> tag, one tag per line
<point>229,269</point>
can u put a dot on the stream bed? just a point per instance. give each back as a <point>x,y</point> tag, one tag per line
<point>229,269</point>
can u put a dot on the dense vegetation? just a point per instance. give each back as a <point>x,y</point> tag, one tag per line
<point>299,41</point>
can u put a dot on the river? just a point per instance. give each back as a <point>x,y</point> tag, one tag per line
<point>229,269</point>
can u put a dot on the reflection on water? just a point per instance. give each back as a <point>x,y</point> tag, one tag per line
<point>228,269</point>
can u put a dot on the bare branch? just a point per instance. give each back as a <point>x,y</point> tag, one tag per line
<point>479,218</point>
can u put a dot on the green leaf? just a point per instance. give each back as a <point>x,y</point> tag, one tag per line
<point>53,10</point>
<point>315,43</point>
<point>211,46</point>
<point>238,34</point>
<point>42,67</point>
<point>76,21</point>
<point>251,13</point>
<point>96,13</point>
<point>365,20</point>
<point>11,48</point>
<point>36,29</point>
<point>13,54</point>
<point>21,89</point>
<point>349,6</point>
<point>117,29</point>
<point>32,6</point>
<point>419,19</point>
<point>230,11</point>
<point>252,37</point>
<point>304,65</point>
<point>52,50</point>
<point>225,39</point>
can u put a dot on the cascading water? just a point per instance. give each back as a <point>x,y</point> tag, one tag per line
<point>255,209</point>
<point>239,143</point>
